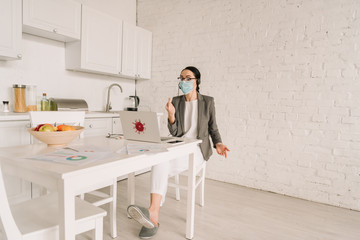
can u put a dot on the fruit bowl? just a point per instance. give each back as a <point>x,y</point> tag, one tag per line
<point>57,138</point>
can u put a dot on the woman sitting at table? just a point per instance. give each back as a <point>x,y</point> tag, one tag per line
<point>184,114</point>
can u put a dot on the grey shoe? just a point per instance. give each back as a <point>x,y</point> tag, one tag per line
<point>146,233</point>
<point>141,215</point>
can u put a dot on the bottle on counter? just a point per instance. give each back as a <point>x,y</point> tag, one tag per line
<point>52,104</point>
<point>19,98</point>
<point>44,103</point>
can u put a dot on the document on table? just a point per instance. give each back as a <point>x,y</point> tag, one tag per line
<point>74,155</point>
<point>145,148</point>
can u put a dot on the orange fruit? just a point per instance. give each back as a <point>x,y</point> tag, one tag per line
<point>67,128</point>
<point>59,128</point>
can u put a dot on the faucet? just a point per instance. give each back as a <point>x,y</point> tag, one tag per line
<point>108,104</point>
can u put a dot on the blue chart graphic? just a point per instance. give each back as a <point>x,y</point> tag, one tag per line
<point>144,150</point>
<point>76,158</point>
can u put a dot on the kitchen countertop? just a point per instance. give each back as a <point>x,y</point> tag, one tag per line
<point>13,116</point>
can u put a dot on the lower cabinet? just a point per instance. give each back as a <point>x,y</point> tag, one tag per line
<point>14,133</point>
<point>97,126</point>
<point>117,129</point>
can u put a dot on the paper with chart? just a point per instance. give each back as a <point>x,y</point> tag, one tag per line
<point>145,148</point>
<point>75,155</point>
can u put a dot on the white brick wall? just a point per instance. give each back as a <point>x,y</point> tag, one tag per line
<point>285,77</point>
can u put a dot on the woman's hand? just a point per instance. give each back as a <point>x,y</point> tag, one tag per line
<point>221,149</point>
<point>171,111</point>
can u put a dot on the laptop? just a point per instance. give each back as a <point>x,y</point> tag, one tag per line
<point>143,126</point>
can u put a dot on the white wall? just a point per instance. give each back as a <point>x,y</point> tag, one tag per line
<point>285,77</point>
<point>43,64</point>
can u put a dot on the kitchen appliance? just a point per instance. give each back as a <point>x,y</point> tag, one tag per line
<point>67,104</point>
<point>134,102</point>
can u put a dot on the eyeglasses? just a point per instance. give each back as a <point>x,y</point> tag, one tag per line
<point>185,79</point>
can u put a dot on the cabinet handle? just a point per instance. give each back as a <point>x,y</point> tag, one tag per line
<point>55,30</point>
<point>90,126</point>
<point>19,55</point>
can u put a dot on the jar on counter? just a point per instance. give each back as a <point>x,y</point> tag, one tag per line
<point>31,95</point>
<point>19,98</point>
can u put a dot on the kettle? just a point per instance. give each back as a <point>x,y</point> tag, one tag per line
<point>134,103</point>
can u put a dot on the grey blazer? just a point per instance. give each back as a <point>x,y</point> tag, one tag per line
<point>206,122</point>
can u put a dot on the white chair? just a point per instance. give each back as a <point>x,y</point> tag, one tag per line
<point>77,118</point>
<point>37,219</point>
<point>200,181</point>
<point>200,173</point>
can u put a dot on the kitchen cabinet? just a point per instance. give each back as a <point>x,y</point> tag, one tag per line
<point>117,128</point>
<point>144,50</point>
<point>10,29</point>
<point>14,133</point>
<point>137,49</point>
<point>55,19</point>
<point>100,47</point>
<point>98,126</point>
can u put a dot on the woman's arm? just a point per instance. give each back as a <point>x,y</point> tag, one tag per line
<point>172,123</point>
<point>171,111</point>
<point>221,149</point>
<point>212,126</point>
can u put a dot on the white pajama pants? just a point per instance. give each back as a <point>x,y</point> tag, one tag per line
<point>161,173</point>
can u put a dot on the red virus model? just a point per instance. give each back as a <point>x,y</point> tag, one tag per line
<point>139,126</point>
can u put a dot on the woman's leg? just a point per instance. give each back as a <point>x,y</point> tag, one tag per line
<point>159,184</point>
<point>159,181</point>
<point>154,209</point>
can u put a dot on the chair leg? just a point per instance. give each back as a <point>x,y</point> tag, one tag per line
<point>112,215</point>
<point>202,186</point>
<point>177,189</point>
<point>98,231</point>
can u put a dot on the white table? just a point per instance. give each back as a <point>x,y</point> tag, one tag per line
<point>70,180</point>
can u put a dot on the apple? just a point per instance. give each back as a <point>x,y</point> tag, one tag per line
<point>38,127</point>
<point>46,128</point>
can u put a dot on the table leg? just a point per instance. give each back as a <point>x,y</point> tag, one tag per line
<point>66,212</point>
<point>190,198</point>
<point>131,189</point>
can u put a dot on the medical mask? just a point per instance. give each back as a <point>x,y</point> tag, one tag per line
<point>186,86</point>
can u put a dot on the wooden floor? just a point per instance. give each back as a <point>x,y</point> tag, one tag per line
<point>234,212</point>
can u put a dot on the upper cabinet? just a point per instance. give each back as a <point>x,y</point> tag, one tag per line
<point>137,46</point>
<point>55,19</point>
<point>109,46</point>
<point>129,67</point>
<point>100,47</point>
<point>144,47</point>
<point>10,28</point>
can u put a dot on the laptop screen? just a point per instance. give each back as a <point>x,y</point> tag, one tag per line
<point>140,126</point>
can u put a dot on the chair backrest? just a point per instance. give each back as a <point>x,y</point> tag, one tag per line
<point>6,217</point>
<point>74,118</point>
